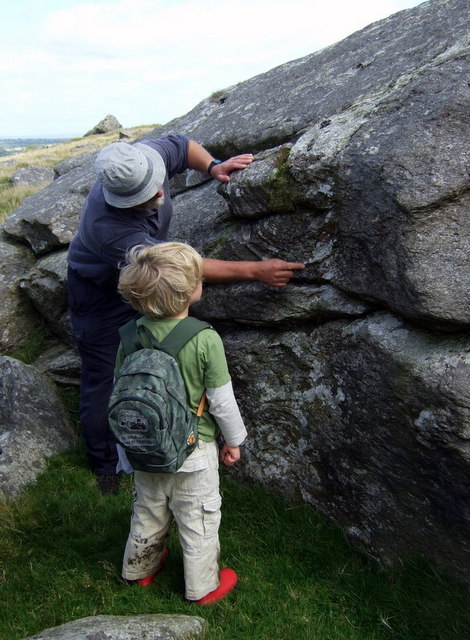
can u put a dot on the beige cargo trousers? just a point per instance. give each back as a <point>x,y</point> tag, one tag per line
<point>191,498</point>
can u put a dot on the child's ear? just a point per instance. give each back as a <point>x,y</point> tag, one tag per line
<point>196,294</point>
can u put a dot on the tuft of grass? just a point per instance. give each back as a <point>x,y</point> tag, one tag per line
<point>219,97</point>
<point>61,545</point>
<point>12,196</point>
<point>32,347</point>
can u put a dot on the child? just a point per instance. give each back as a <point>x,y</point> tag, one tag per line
<point>161,282</point>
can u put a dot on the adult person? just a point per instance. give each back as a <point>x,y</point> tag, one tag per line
<point>130,205</point>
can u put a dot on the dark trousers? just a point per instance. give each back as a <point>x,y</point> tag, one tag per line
<point>96,314</point>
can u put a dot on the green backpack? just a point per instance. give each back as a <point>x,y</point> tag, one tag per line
<point>148,412</point>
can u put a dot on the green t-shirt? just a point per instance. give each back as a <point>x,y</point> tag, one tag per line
<point>202,364</point>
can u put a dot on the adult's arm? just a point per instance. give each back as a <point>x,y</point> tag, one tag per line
<point>200,159</point>
<point>274,272</point>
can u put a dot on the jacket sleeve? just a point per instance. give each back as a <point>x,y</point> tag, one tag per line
<point>174,151</point>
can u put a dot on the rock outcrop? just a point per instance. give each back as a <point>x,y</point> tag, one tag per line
<point>156,627</point>
<point>32,176</point>
<point>34,424</point>
<point>353,380</point>
<point>108,124</point>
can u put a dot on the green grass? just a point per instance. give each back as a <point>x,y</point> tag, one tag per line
<point>32,348</point>
<point>61,544</point>
<point>11,197</point>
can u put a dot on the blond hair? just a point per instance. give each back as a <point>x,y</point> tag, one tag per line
<point>158,280</point>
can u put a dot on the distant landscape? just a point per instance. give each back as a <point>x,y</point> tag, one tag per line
<point>16,153</point>
<point>11,146</point>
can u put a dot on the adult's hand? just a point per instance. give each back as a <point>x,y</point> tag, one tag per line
<point>200,159</point>
<point>277,273</point>
<point>222,171</point>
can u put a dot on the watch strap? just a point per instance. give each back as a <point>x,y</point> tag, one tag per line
<point>212,165</point>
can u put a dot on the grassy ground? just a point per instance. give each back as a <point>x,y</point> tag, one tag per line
<point>11,197</point>
<point>60,552</point>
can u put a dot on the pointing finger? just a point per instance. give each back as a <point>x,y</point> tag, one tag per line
<point>292,266</point>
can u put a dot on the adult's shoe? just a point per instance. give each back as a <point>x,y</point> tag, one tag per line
<point>108,484</point>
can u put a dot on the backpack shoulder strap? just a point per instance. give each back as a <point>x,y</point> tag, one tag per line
<point>129,337</point>
<point>182,333</point>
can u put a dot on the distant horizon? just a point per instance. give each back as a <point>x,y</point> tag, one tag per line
<point>41,137</point>
<point>13,145</point>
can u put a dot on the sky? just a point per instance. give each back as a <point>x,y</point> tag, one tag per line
<point>66,64</point>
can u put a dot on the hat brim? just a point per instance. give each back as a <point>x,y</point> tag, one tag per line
<point>148,191</point>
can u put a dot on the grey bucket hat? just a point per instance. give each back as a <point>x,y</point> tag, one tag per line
<point>129,173</point>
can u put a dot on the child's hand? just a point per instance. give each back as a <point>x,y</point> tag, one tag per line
<point>229,455</point>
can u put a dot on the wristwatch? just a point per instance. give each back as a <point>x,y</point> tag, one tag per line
<point>212,165</point>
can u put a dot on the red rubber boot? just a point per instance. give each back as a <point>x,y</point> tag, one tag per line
<point>228,580</point>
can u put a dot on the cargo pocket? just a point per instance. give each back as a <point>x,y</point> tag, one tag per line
<point>211,515</point>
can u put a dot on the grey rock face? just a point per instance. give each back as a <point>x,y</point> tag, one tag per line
<point>83,160</point>
<point>150,627</point>
<point>368,420</point>
<point>16,318</point>
<point>33,425</point>
<point>46,286</point>
<point>61,364</point>
<point>401,218</point>
<point>31,176</point>
<point>279,306</point>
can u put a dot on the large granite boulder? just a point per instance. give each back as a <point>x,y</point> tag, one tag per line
<point>34,424</point>
<point>353,380</point>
